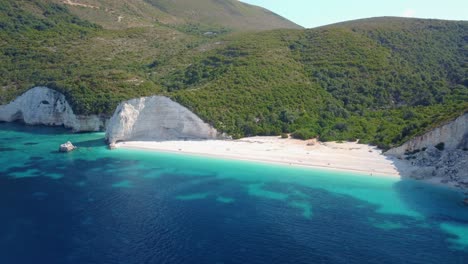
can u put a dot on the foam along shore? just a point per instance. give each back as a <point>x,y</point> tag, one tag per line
<point>347,156</point>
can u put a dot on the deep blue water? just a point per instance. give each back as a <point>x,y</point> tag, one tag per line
<point>126,206</point>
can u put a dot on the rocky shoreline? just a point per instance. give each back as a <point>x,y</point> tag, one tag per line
<point>447,167</point>
<point>441,153</point>
<point>146,118</point>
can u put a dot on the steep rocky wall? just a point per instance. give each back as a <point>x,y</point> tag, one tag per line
<point>156,118</point>
<point>419,158</point>
<point>44,106</point>
<point>449,166</point>
<point>454,135</point>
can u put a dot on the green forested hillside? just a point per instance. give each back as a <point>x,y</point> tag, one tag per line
<point>335,82</point>
<point>380,80</point>
<point>45,44</point>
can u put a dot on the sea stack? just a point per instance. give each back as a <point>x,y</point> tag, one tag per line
<point>67,147</point>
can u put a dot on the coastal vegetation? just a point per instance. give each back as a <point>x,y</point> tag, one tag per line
<point>381,80</point>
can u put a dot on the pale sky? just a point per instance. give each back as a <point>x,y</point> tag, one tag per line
<point>313,13</point>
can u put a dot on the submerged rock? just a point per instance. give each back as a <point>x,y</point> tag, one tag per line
<point>465,201</point>
<point>67,147</point>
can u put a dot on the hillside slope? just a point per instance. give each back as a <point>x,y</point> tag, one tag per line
<point>381,85</point>
<point>189,14</point>
<point>228,13</point>
<point>380,80</point>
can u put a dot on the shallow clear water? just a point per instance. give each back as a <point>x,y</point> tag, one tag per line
<point>127,206</point>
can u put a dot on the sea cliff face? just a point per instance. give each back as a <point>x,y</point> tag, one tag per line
<point>149,118</point>
<point>44,106</point>
<point>454,135</point>
<point>156,118</point>
<point>425,157</point>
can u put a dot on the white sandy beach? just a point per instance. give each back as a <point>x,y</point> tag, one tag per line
<point>348,156</point>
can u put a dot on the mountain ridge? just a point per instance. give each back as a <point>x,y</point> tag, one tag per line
<point>231,14</point>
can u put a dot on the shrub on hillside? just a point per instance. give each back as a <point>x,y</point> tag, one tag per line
<point>303,134</point>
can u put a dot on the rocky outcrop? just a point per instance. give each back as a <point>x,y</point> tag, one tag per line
<point>156,118</point>
<point>440,153</point>
<point>454,135</point>
<point>149,118</point>
<point>44,106</point>
<point>450,166</point>
<point>67,147</point>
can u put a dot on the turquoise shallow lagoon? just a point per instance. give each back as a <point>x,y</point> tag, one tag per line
<point>127,206</point>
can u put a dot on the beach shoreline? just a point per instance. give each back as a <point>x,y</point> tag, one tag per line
<point>345,157</point>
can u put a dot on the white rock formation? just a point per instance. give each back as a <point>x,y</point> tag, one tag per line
<point>67,147</point>
<point>156,118</point>
<point>454,135</point>
<point>44,106</point>
<point>420,159</point>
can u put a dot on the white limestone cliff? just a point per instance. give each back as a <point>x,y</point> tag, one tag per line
<point>44,106</point>
<point>156,118</point>
<point>421,159</point>
<point>453,134</point>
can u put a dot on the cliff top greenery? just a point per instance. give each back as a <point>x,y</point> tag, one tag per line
<point>380,80</point>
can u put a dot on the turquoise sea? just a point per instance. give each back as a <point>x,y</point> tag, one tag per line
<point>125,206</point>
